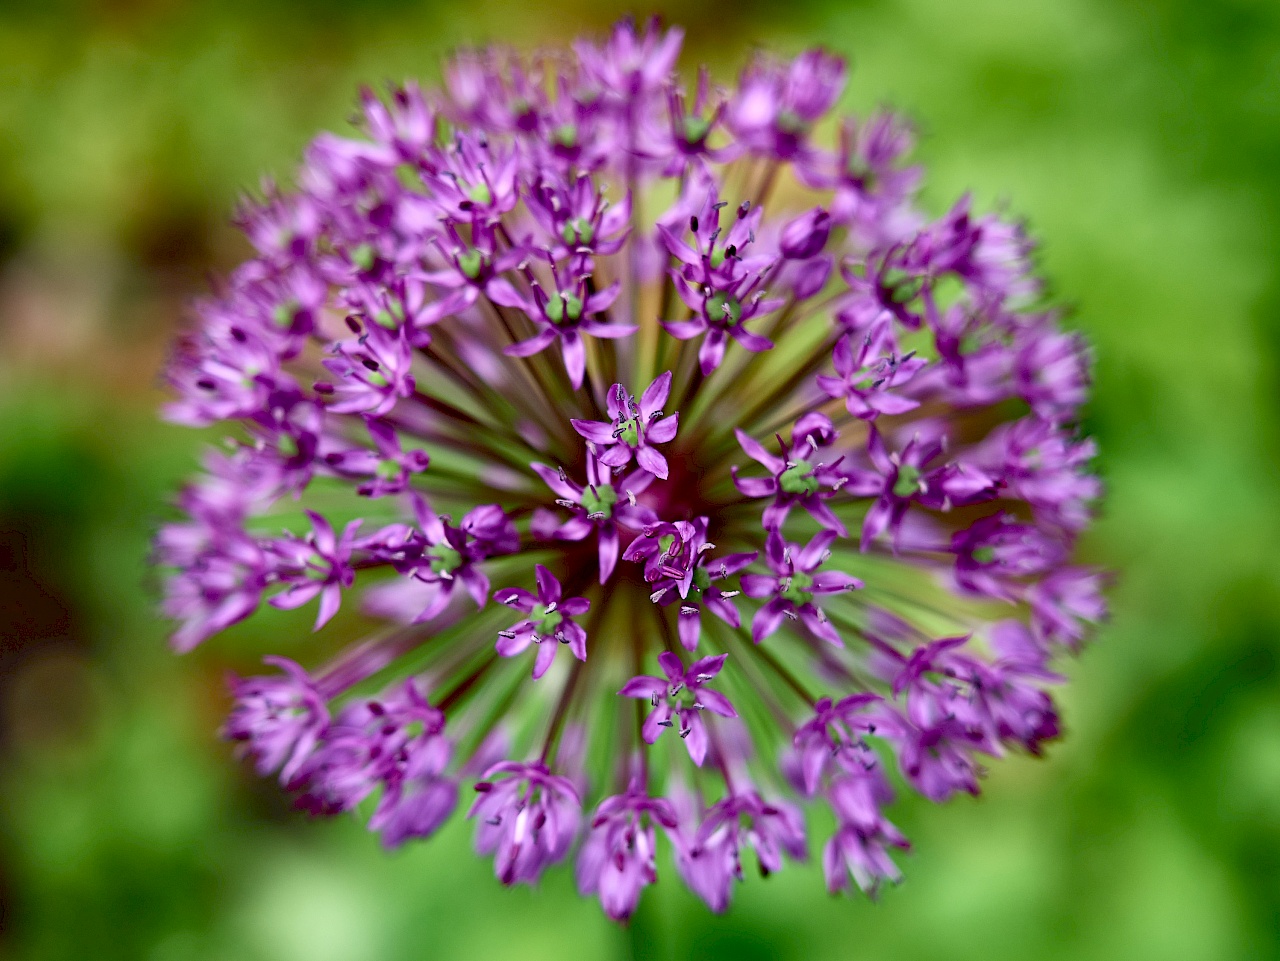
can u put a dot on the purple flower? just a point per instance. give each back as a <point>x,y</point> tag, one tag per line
<point>834,737</point>
<point>794,585</point>
<point>860,846</point>
<point>527,820</point>
<point>318,565</point>
<point>387,468</point>
<point>440,557</point>
<point>681,695</point>
<point>721,281</point>
<point>395,743</point>
<point>869,371</point>
<point>1066,602</point>
<point>709,853</point>
<point>913,476</point>
<point>996,554</point>
<point>633,428</point>
<point>796,478</point>
<point>805,236</point>
<point>436,338</point>
<point>677,564</point>
<point>777,103</point>
<point>596,506</point>
<point>618,857</point>
<point>277,719</point>
<point>565,315</point>
<point>548,624</point>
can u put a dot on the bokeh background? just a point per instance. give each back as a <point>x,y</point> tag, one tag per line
<point>1142,141</point>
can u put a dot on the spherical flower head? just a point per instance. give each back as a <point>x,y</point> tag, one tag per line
<point>547,358</point>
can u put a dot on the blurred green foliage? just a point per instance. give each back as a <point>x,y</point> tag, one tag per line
<point>1142,141</point>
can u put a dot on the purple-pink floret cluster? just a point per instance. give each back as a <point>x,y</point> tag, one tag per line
<point>637,354</point>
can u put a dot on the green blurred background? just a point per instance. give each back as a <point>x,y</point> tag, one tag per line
<point>1141,139</point>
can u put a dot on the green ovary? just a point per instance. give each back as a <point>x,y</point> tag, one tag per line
<point>601,500</point>
<point>795,479</point>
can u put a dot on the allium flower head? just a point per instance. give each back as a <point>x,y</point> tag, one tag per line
<point>566,355</point>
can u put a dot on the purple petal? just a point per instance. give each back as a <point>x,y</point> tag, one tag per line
<point>711,353</point>
<point>595,431</point>
<point>330,601</point>
<point>684,329</point>
<point>608,331</point>
<point>768,618</point>
<point>755,450</point>
<point>653,462</point>
<point>696,738</point>
<point>811,556</point>
<point>608,550</point>
<point>548,586</point>
<point>643,686</point>
<point>546,656</point>
<point>664,430</point>
<point>820,627</point>
<point>552,479</point>
<point>575,357</point>
<point>527,348</point>
<point>655,395</point>
<point>511,646</point>
<point>653,727</point>
<point>690,627</point>
<point>671,666</point>
<point>716,703</point>
<point>754,486</point>
<point>759,585</point>
<point>707,667</point>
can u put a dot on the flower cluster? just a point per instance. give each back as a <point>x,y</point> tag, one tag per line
<point>662,354</point>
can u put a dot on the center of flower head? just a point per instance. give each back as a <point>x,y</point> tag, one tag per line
<point>388,469</point>
<point>908,482</point>
<point>444,559</point>
<point>798,588</point>
<point>984,555</point>
<point>471,262</point>
<point>564,307</point>
<point>547,618</point>
<point>578,231</point>
<point>480,194</point>
<point>723,309</point>
<point>599,500</point>
<point>796,479</point>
